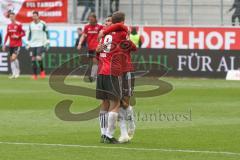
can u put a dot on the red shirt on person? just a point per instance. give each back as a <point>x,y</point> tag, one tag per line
<point>127,65</point>
<point>15,34</point>
<point>115,27</point>
<point>110,59</point>
<point>92,35</point>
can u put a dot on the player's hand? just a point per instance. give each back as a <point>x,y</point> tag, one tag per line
<point>47,45</point>
<point>99,48</point>
<point>27,47</point>
<point>4,48</point>
<point>100,35</point>
<point>79,47</point>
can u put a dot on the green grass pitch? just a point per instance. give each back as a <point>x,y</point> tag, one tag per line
<point>30,130</point>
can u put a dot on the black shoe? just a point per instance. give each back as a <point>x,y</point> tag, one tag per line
<point>91,79</point>
<point>102,138</point>
<point>110,140</point>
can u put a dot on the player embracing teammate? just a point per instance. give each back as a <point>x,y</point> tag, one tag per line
<point>15,34</point>
<point>115,80</point>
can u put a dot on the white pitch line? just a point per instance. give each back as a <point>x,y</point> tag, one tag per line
<point>123,148</point>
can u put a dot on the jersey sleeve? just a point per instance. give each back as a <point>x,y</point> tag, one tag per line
<point>45,29</point>
<point>29,33</point>
<point>133,46</point>
<point>21,31</point>
<point>97,55</point>
<point>85,29</point>
<point>115,27</point>
<point>101,27</point>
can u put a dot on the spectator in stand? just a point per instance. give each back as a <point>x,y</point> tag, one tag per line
<point>116,6</point>
<point>236,14</point>
<point>89,4</point>
<point>135,37</point>
<point>79,3</point>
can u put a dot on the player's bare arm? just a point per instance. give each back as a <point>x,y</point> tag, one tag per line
<point>82,39</point>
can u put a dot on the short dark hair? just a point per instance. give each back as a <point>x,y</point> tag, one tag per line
<point>92,15</point>
<point>134,30</point>
<point>36,12</point>
<point>10,12</point>
<point>79,28</point>
<point>118,17</point>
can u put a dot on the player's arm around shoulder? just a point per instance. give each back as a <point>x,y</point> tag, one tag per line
<point>133,46</point>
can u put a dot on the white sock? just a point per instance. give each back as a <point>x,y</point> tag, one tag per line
<point>112,119</point>
<point>17,66</point>
<point>122,122</point>
<point>94,70</point>
<point>130,119</point>
<point>13,68</point>
<point>103,120</point>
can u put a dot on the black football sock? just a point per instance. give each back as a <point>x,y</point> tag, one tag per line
<point>34,67</point>
<point>41,65</point>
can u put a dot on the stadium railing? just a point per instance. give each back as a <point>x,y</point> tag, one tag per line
<point>158,12</point>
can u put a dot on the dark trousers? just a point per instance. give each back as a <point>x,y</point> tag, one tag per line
<point>116,5</point>
<point>89,4</point>
<point>234,18</point>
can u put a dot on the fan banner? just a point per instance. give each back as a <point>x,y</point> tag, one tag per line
<point>53,11</point>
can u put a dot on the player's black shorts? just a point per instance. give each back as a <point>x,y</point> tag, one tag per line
<point>109,87</point>
<point>14,50</point>
<point>91,54</point>
<point>128,80</point>
<point>37,51</point>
